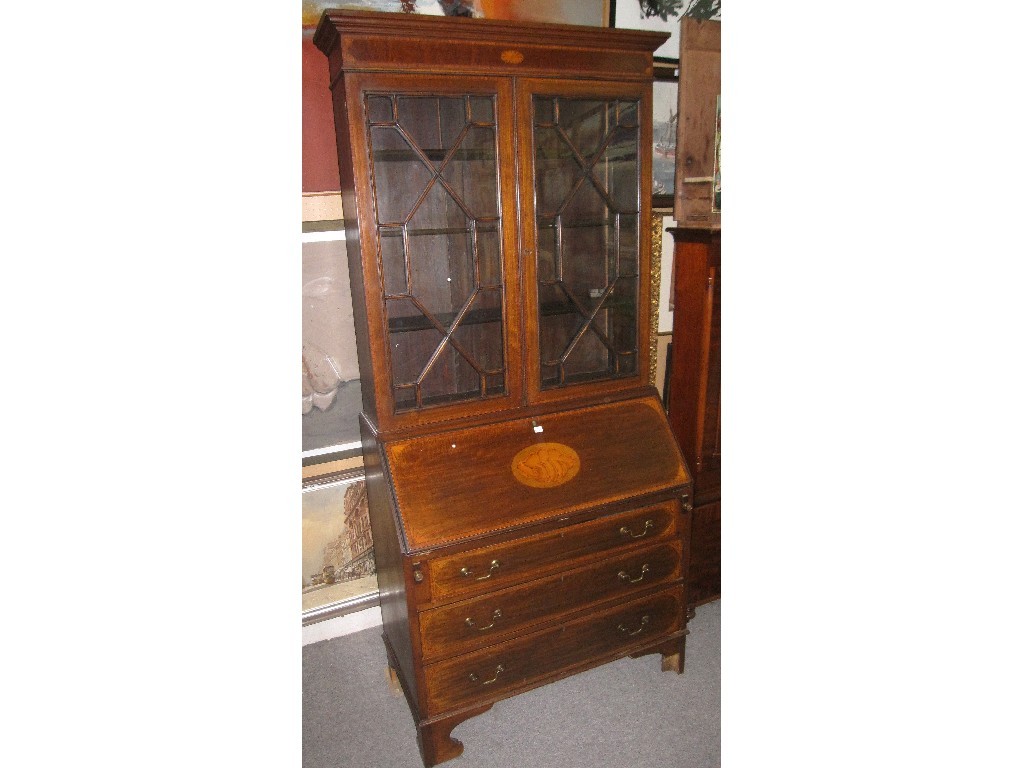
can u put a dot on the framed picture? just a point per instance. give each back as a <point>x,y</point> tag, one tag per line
<point>313,9</point>
<point>339,574</point>
<point>666,105</point>
<point>662,16</point>
<point>592,13</point>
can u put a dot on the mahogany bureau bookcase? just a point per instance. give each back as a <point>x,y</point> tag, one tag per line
<point>530,507</point>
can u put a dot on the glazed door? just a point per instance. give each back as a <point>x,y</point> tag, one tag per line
<point>438,243</point>
<point>585,183</point>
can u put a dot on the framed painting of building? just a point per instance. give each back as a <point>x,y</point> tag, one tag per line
<point>338,570</point>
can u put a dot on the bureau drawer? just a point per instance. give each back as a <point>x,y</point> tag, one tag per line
<point>484,620</point>
<point>503,564</point>
<point>493,671</point>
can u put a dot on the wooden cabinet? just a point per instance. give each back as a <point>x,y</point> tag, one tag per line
<point>694,401</point>
<point>530,507</point>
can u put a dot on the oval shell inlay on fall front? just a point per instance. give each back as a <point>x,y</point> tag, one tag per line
<point>545,465</point>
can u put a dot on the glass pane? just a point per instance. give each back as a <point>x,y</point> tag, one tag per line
<point>472,173</point>
<point>587,188</point>
<point>622,322</point>
<point>488,245</point>
<point>585,123</point>
<point>380,109</point>
<point>392,254</point>
<point>556,169</point>
<point>495,383</point>
<point>481,110</point>
<point>628,248</point>
<point>590,358</point>
<point>414,338</point>
<point>396,168</point>
<point>433,124</point>
<point>478,337</point>
<point>554,301</point>
<point>441,255</point>
<point>434,164</point>
<point>623,169</point>
<point>546,266</point>
<point>584,278</point>
<point>585,207</point>
<point>627,113</point>
<point>449,378</point>
<point>543,111</point>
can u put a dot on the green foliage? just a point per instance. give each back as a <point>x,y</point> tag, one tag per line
<point>666,9</point>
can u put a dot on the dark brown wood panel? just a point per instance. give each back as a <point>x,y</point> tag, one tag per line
<point>695,391</point>
<point>472,572</point>
<point>471,624</point>
<point>695,412</point>
<point>625,450</point>
<point>495,672</point>
<point>704,576</point>
<point>711,432</point>
<point>514,59</point>
<point>391,579</point>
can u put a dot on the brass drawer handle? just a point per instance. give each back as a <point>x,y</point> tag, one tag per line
<point>473,676</point>
<point>644,621</point>
<point>643,572</point>
<point>495,565</point>
<point>494,617</point>
<point>648,525</point>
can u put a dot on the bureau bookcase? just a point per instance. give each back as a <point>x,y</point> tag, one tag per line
<point>530,507</point>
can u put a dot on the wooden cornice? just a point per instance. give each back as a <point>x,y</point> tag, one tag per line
<point>456,29</point>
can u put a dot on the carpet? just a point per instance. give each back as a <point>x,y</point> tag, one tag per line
<point>626,714</point>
